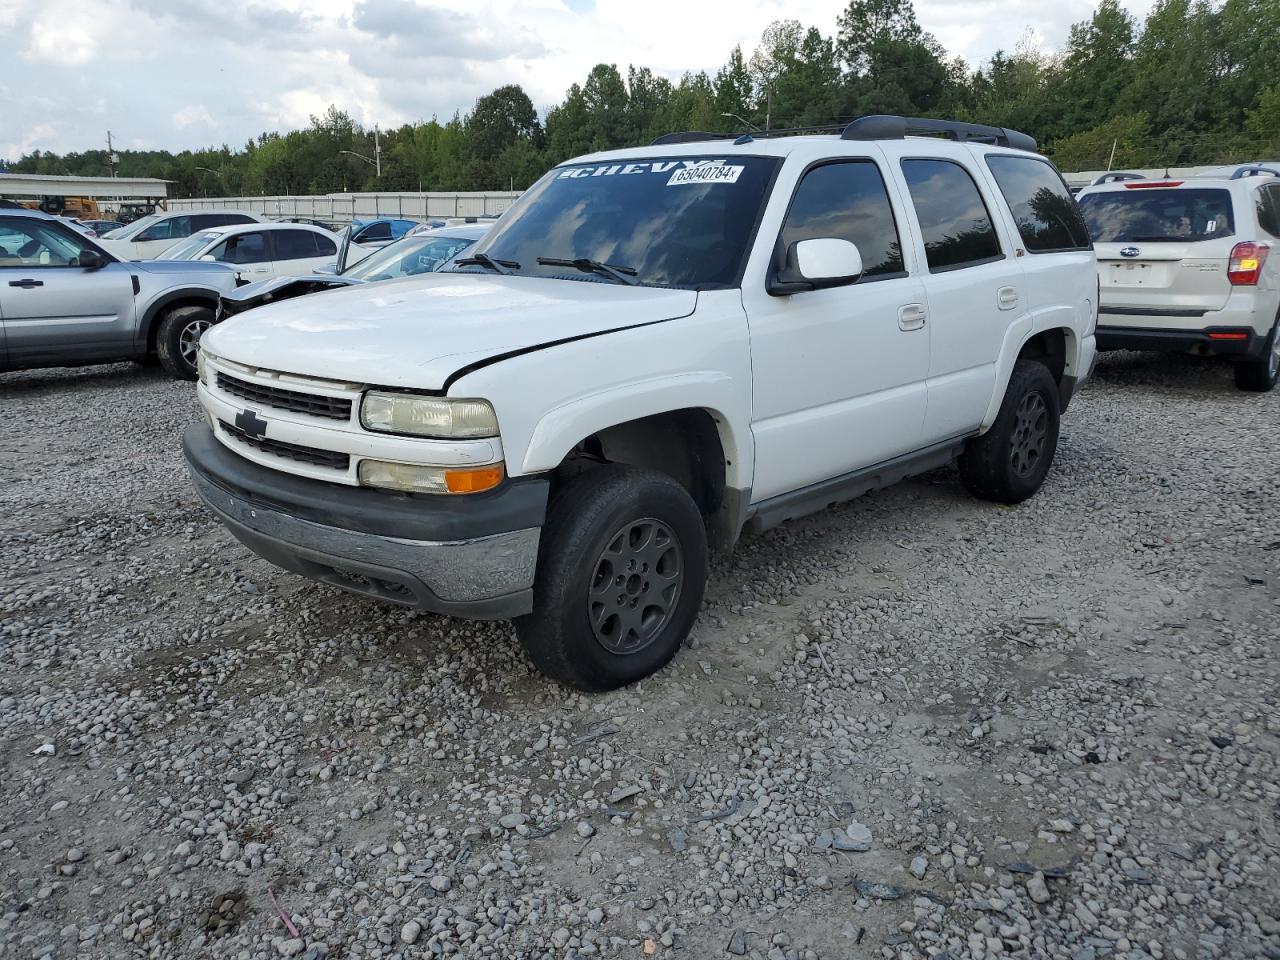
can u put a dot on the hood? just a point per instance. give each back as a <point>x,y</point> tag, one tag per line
<point>184,267</point>
<point>273,289</point>
<point>414,332</point>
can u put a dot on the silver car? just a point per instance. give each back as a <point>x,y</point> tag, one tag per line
<point>65,301</point>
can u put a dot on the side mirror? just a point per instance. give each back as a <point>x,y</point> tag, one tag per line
<point>92,260</point>
<point>209,258</point>
<point>815,264</point>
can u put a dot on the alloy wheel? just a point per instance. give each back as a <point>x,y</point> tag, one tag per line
<point>635,586</point>
<point>1030,431</point>
<point>189,339</point>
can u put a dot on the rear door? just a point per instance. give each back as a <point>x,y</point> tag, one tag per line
<point>974,286</point>
<point>1162,250</point>
<point>297,253</point>
<point>54,310</point>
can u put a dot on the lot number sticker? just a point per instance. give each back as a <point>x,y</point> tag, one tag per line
<point>709,171</point>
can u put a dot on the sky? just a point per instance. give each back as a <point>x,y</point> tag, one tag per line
<point>174,74</point>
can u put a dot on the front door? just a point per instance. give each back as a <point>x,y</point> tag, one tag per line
<point>249,253</point>
<point>838,375</point>
<point>54,310</point>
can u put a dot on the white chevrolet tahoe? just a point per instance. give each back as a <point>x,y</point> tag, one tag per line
<point>1184,266</point>
<point>653,350</point>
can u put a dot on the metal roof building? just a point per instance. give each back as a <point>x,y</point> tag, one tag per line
<point>39,185</point>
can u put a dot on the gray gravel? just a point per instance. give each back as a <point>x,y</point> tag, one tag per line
<point>1053,727</point>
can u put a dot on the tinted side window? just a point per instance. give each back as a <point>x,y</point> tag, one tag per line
<point>1046,214</point>
<point>375,231</point>
<point>203,221</point>
<point>1269,210</point>
<point>324,246</point>
<point>294,244</point>
<point>242,248</point>
<point>229,218</point>
<point>33,243</point>
<point>848,201</point>
<point>957,227</point>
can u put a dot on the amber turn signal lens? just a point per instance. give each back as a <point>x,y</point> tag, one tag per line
<point>474,480</point>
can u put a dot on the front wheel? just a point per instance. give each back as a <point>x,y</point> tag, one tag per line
<point>1009,462</point>
<point>621,574</point>
<point>1259,376</point>
<point>178,339</point>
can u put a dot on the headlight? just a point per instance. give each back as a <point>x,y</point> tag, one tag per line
<point>201,372</point>
<point>428,416</point>
<point>412,478</point>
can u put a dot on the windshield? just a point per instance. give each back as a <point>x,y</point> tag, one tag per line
<point>188,248</point>
<point>408,257</point>
<point>125,232</point>
<point>1152,215</point>
<point>685,222</point>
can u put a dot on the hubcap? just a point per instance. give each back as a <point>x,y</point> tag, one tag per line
<point>1030,431</point>
<point>635,586</point>
<point>189,339</point>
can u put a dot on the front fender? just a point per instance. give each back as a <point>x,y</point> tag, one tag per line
<point>155,306</point>
<point>563,427</point>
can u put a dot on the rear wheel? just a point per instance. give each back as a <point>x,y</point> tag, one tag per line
<point>1009,462</point>
<point>620,578</point>
<point>178,339</point>
<point>1259,376</point>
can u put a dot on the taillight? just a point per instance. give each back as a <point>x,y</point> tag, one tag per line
<point>1246,263</point>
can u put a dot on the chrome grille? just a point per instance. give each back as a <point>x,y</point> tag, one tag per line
<point>313,404</point>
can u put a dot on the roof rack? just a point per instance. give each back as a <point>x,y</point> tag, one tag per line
<point>872,128</point>
<point>896,128</point>
<point>1254,170</point>
<point>1116,177</point>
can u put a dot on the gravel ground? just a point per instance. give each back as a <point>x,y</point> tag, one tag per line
<point>914,726</point>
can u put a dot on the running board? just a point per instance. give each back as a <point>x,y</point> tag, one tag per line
<point>812,499</point>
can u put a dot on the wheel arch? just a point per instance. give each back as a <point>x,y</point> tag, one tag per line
<point>183,297</point>
<point>1057,347</point>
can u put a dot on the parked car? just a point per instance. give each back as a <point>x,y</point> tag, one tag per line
<point>379,232</point>
<point>655,349</point>
<point>430,226</point>
<point>102,227</point>
<point>1184,266</point>
<point>77,226</point>
<point>147,238</point>
<point>258,250</point>
<point>409,256</point>
<point>64,301</point>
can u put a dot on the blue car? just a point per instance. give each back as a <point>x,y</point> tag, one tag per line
<point>380,232</point>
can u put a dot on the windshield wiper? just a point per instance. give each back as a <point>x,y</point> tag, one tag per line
<point>484,260</point>
<point>616,271</point>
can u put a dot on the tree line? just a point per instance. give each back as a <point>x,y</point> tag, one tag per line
<point>1196,83</point>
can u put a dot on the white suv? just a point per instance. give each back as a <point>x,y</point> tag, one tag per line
<point>1184,266</point>
<point>653,350</point>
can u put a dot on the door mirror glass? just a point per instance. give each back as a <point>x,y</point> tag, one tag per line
<point>823,262</point>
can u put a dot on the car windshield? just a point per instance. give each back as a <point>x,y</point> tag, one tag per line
<point>683,222</point>
<point>125,232</point>
<point>1156,215</point>
<point>188,248</point>
<point>408,257</point>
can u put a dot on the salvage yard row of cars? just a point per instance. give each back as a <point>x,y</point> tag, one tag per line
<point>555,418</point>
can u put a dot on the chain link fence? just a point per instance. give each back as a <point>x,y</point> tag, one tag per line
<point>345,207</point>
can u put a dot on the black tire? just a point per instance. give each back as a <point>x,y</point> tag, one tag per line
<point>1008,463</point>
<point>174,340</point>
<point>605,511</point>
<point>1259,376</point>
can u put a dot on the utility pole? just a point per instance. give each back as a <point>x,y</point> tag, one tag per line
<point>377,154</point>
<point>112,159</point>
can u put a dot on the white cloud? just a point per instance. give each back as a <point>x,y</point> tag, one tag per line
<point>194,116</point>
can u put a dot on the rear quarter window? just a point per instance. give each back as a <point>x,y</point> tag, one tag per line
<point>1158,214</point>
<point>1046,214</point>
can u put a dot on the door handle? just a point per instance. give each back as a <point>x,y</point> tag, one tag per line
<point>26,284</point>
<point>1007,298</point>
<point>911,316</point>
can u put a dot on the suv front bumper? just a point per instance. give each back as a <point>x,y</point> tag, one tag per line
<point>471,556</point>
